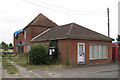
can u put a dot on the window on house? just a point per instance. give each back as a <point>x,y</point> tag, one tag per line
<point>98,51</point>
<point>47,42</point>
<point>24,34</point>
<point>28,48</point>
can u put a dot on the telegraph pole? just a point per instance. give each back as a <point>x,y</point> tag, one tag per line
<point>108,22</point>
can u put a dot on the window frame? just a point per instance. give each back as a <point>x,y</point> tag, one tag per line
<point>99,50</point>
<point>24,34</point>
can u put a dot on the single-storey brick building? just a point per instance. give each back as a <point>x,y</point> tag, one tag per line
<point>76,44</point>
<point>79,45</point>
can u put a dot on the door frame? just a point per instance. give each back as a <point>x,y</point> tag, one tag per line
<point>78,52</point>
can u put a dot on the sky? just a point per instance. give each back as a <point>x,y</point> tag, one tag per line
<point>92,14</point>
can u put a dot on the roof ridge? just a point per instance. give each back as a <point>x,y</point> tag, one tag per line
<point>33,20</point>
<point>30,24</point>
<point>49,19</point>
<point>70,29</point>
<point>66,24</point>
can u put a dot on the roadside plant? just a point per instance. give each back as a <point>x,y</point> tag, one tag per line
<point>39,55</point>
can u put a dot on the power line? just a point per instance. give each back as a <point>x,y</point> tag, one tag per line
<point>68,12</point>
<point>65,8</point>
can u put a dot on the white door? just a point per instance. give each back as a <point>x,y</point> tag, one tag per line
<point>81,53</point>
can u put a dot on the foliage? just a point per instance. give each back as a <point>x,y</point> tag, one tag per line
<point>4,45</point>
<point>39,55</point>
<point>118,38</point>
<point>22,61</point>
<point>10,45</point>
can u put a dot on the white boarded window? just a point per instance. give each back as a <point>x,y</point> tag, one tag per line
<point>98,51</point>
<point>91,51</point>
<point>105,51</point>
<point>101,49</point>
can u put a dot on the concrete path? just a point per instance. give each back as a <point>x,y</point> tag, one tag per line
<point>22,73</point>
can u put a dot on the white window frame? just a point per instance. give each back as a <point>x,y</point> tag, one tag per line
<point>24,34</point>
<point>90,56</point>
<point>28,48</point>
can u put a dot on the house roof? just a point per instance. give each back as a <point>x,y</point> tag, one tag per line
<point>72,31</point>
<point>42,21</point>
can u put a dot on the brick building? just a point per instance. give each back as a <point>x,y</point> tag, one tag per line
<point>79,45</point>
<point>76,44</point>
<point>22,38</point>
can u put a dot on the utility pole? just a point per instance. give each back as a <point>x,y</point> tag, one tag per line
<point>108,22</point>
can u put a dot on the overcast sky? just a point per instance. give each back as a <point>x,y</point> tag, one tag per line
<point>92,14</point>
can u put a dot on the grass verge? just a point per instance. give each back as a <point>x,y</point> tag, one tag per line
<point>9,67</point>
<point>22,61</point>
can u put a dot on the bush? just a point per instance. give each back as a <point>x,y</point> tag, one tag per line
<point>39,55</point>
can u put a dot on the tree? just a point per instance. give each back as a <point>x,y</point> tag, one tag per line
<point>4,45</point>
<point>10,45</point>
<point>118,38</point>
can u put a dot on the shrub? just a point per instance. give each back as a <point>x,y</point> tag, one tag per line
<point>39,55</point>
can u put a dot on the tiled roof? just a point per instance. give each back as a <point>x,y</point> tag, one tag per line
<point>42,21</point>
<point>72,31</point>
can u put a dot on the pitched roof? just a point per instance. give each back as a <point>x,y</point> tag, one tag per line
<point>72,31</point>
<point>43,21</point>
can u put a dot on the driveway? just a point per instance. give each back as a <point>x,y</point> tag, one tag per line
<point>99,71</point>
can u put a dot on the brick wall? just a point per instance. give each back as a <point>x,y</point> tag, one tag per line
<point>63,46</point>
<point>68,50</point>
<point>31,32</point>
<point>73,52</point>
<point>17,41</point>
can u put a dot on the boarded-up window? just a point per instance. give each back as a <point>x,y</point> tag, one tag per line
<point>98,51</point>
<point>105,51</point>
<point>91,51</point>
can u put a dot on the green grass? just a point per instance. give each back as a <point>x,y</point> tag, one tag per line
<point>1,50</point>
<point>22,61</point>
<point>8,66</point>
<point>34,67</point>
<point>10,50</point>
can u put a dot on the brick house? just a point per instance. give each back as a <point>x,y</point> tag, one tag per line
<point>78,45</point>
<point>22,38</point>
